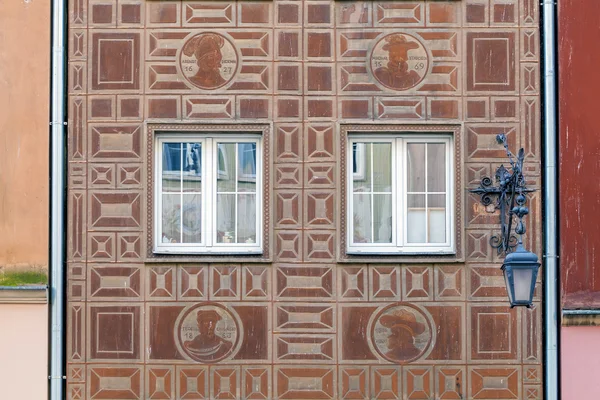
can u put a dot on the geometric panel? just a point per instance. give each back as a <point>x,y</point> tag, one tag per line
<point>110,142</point>
<point>352,283</point>
<point>494,383</point>
<point>310,283</point>
<point>417,283</point>
<point>320,246</point>
<point>449,282</point>
<point>481,141</point>
<point>384,283</point>
<point>312,348</point>
<point>449,382</point>
<point>256,283</point>
<point>494,333</point>
<point>113,283</point>
<point>115,61</point>
<point>294,317</point>
<point>114,332</point>
<point>115,211</point>
<point>225,383</point>
<point>307,383</point>
<point>192,382</point>
<point>161,283</point>
<point>256,383</point>
<point>418,383</point>
<point>193,283</point>
<point>491,61</point>
<point>159,383</point>
<point>225,283</point>
<point>319,208</point>
<point>385,383</point>
<point>486,282</point>
<point>354,382</point>
<point>114,383</point>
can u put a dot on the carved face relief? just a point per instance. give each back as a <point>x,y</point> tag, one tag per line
<point>207,333</point>
<point>208,60</point>
<point>401,333</point>
<point>399,61</point>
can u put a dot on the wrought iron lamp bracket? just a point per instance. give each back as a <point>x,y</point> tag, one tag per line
<point>509,197</point>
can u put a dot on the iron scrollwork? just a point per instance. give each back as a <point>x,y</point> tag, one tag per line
<point>509,196</point>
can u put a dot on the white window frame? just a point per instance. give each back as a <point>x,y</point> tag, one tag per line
<point>399,165</point>
<point>209,244</point>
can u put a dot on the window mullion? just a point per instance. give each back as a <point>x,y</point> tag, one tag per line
<point>180,192</point>
<point>235,197</point>
<point>208,197</point>
<point>401,189</point>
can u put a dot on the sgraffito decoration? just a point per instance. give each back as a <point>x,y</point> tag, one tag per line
<point>208,60</point>
<point>399,61</point>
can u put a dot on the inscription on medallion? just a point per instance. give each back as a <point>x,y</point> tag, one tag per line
<point>399,61</point>
<point>208,60</point>
<point>401,333</point>
<point>207,333</point>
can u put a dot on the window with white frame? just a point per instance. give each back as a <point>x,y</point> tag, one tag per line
<point>208,193</point>
<point>400,194</point>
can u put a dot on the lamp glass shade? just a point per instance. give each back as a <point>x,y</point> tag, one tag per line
<point>520,270</point>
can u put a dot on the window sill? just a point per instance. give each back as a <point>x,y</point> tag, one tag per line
<point>190,258</point>
<point>24,294</point>
<point>400,258</point>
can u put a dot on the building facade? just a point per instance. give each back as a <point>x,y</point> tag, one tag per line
<point>270,199</point>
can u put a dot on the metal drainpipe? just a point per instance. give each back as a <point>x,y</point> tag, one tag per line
<point>57,199</point>
<point>550,206</point>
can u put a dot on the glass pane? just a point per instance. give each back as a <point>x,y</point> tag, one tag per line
<point>171,218</point>
<point>382,167</point>
<point>415,219</point>
<point>416,167</point>
<point>192,167</point>
<point>226,218</point>
<point>436,167</point>
<point>361,166</point>
<point>362,218</point>
<point>226,167</point>
<point>246,218</point>
<point>171,167</point>
<point>247,167</point>
<point>382,218</point>
<point>436,204</point>
<point>191,218</point>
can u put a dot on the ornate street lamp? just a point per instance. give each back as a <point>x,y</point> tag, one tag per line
<point>520,266</point>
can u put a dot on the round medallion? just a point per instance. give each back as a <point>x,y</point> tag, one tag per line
<point>402,333</point>
<point>208,60</point>
<point>399,61</point>
<point>207,333</point>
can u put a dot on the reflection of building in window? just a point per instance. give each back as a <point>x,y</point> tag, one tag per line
<point>208,194</point>
<point>400,197</point>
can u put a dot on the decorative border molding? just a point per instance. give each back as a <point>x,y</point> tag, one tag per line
<point>153,128</point>
<point>24,295</point>
<point>456,132</point>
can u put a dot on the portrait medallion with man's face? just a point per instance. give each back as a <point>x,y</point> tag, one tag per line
<point>401,333</point>
<point>399,61</point>
<point>207,333</point>
<point>208,60</point>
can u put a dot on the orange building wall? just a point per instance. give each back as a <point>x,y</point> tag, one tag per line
<point>24,102</point>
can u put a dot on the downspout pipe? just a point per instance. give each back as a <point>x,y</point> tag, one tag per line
<point>551,288</point>
<point>57,200</point>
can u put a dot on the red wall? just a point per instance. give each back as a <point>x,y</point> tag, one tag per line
<point>579,151</point>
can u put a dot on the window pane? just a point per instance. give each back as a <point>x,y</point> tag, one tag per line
<point>382,167</point>
<point>171,218</point>
<point>382,217</point>
<point>415,219</point>
<point>225,218</point>
<point>437,218</point>
<point>416,167</point>
<point>361,155</point>
<point>246,218</point>
<point>192,167</point>
<point>362,218</point>
<point>226,167</point>
<point>247,167</point>
<point>192,218</point>
<point>171,167</point>
<point>436,167</point>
